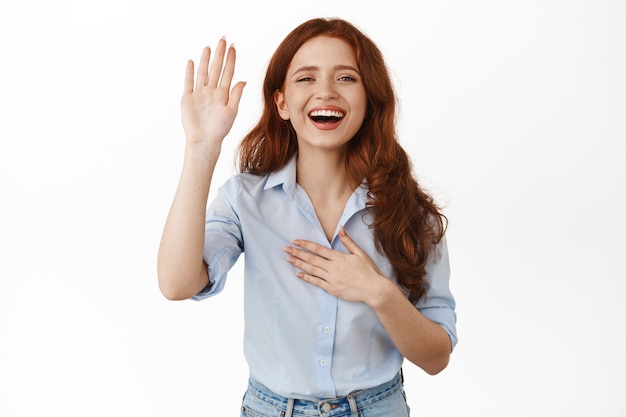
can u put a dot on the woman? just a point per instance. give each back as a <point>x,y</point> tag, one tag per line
<point>346,267</point>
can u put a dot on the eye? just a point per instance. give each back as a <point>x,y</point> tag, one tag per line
<point>347,78</point>
<point>304,79</point>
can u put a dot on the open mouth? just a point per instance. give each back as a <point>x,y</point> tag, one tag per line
<point>326,116</point>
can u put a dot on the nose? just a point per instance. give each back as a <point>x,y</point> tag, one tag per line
<point>326,89</point>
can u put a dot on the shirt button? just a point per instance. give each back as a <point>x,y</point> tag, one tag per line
<point>323,362</point>
<point>326,329</point>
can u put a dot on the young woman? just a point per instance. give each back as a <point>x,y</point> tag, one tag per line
<point>346,266</point>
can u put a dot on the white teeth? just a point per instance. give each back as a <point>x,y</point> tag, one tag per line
<point>326,113</point>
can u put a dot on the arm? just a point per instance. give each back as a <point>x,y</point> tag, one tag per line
<point>354,277</point>
<point>208,112</point>
<point>419,339</point>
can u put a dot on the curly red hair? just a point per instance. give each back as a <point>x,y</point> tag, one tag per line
<point>407,223</point>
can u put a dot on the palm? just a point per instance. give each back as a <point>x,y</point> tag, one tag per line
<point>209,106</point>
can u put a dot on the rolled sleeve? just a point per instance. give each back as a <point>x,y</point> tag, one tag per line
<point>223,241</point>
<point>439,304</point>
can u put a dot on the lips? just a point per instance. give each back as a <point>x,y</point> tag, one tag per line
<point>326,115</point>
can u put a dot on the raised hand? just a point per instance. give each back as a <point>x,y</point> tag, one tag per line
<point>209,106</point>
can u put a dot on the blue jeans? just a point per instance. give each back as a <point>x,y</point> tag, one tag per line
<point>386,400</point>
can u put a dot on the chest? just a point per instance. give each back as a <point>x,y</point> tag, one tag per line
<point>329,213</point>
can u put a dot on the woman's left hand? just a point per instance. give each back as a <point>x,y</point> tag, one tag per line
<point>351,276</point>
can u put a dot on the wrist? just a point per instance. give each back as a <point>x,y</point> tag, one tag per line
<point>202,151</point>
<point>199,163</point>
<point>382,293</point>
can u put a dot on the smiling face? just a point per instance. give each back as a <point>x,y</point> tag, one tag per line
<point>323,94</point>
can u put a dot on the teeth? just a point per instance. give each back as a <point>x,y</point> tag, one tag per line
<point>326,113</point>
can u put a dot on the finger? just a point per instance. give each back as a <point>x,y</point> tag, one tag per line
<point>229,67</point>
<point>316,248</point>
<point>307,267</point>
<point>188,86</point>
<point>215,70</point>
<point>348,243</point>
<point>317,281</point>
<point>203,66</point>
<point>235,95</point>
<point>308,257</point>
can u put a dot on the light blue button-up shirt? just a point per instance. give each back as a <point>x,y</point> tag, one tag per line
<point>300,341</point>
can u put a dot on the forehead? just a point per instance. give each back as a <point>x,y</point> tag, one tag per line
<point>324,49</point>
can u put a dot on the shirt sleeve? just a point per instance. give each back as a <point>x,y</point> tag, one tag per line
<point>439,304</point>
<point>223,241</point>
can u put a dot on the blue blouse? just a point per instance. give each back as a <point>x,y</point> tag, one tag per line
<point>300,341</point>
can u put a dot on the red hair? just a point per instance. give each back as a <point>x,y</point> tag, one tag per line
<point>407,223</point>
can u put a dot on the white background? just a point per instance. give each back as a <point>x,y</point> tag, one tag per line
<point>513,113</point>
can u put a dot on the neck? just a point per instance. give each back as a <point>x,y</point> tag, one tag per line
<point>323,174</point>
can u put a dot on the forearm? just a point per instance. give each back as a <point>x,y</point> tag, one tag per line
<point>180,267</point>
<point>420,340</point>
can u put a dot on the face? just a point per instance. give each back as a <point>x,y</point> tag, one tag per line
<point>323,94</point>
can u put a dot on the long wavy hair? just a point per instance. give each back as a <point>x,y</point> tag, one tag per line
<point>407,223</point>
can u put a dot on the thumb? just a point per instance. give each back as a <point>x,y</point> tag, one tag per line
<point>235,95</point>
<point>348,242</point>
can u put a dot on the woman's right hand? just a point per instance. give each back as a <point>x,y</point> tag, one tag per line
<point>209,106</point>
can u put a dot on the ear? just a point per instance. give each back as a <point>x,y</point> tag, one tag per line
<point>281,105</point>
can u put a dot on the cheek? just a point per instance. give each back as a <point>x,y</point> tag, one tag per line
<point>361,111</point>
<point>360,103</point>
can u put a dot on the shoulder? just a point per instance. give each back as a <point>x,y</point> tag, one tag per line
<point>238,184</point>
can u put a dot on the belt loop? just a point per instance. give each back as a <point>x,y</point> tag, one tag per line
<point>289,407</point>
<point>353,408</point>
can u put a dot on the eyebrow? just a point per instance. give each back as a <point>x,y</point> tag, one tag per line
<point>316,68</point>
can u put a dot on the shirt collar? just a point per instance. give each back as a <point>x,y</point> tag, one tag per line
<point>286,176</point>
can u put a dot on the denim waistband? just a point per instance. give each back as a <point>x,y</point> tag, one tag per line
<point>350,404</point>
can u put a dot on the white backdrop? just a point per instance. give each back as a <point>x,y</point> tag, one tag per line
<point>513,113</point>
